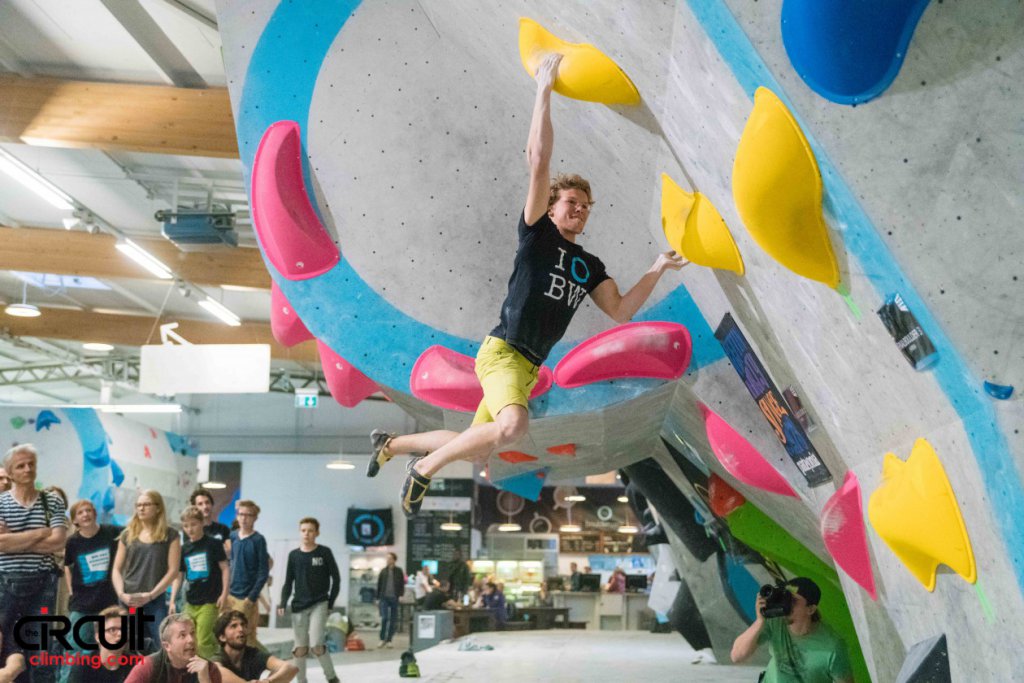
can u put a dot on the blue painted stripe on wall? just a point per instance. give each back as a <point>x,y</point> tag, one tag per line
<point>339,307</point>
<point>862,240</point>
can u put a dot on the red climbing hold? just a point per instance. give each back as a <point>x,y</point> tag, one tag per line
<point>722,497</point>
<point>568,449</point>
<point>515,457</point>
<point>346,383</point>
<point>285,324</point>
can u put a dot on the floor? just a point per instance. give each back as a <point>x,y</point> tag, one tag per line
<point>563,656</point>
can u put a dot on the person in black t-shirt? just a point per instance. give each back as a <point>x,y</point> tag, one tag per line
<point>240,663</point>
<point>551,276</point>
<point>205,566</point>
<point>440,598</point>
<point>314,574</point>
<point>203,499</point>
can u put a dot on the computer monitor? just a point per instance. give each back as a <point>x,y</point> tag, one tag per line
<point>636,583</point>
<point>555,583</point>
<point>590,583</point>
<point>432,564</point>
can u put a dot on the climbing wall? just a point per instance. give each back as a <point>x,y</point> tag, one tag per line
<point>410,124</point>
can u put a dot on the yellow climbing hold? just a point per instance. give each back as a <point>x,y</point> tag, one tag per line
<point>696,230</point>
<point>915,512</point>
<point>777,189</point>
<point>585,73</point>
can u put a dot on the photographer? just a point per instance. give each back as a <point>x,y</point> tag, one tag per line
<point>803,650</point>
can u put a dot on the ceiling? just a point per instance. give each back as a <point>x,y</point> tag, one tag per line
<point>48,49</point>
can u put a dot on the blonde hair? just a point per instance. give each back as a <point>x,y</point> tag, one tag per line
<point>568,181</point>
<point>78,505</point>
<point>135,526</point>
<point>248,504</point>
<point>192,512</point>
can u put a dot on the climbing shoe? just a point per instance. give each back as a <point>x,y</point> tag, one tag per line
<point>379,440</point>
<point>413,490</point>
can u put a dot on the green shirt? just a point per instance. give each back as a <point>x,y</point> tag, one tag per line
<point>818,657</point>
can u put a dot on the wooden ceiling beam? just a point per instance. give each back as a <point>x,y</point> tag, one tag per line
<point>117,116</point>
<point>135,330</point>
<point>42,250</point>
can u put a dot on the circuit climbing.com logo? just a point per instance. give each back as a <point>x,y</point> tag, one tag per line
<point>39,633</point>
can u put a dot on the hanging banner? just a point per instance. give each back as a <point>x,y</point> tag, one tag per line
<point>369,527</point>
<point>771,402</point>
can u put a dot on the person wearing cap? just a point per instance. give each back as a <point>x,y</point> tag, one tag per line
<point>803,650</point>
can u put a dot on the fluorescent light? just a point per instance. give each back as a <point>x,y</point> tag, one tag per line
<point>623,499</point>
<point>214,485</point>
<point>97,346</point>
<point>340,465</point>
<point>570,528</point>
<point>137,408</point>
<point>575,498</point>
<point>451,526</point>
<point>22,310</point>
<point>144,259</point>
<point>628,529</point>
<point>35,182</point>
<point>220,311</point>
<point>509,526</point>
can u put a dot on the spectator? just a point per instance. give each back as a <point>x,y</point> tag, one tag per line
<point>203,500</point>
<point>459,576</point>
<point>5,481</point>
<point>390,589</point>
<point>424,583</point>
<point>575,578</point>
<point>148,555</point>
<point>238,662</point>
<point>12,660</point>
<point>32,529</point>
<point>616,582</point>
<point>801,647</point>
<point>494,600</point>
<point>205,566</point>
<point>544,598</point>
<point>249,567</point>
<point>111,670</point>
<point>176,661</point>
<point>88,555</point>
<point>314,574</point>
<point>440,598</point>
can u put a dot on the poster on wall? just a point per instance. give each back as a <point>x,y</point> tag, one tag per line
<point>771,402</point>
<point>369,527</point>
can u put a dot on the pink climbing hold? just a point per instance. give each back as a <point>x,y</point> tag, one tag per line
<point>347,384</point>
<point>842,527</point>
<point>447,379</point>
<point>285,324</point>
<point>289,230</point>
<point>740,459</point>
<point>657,350</point>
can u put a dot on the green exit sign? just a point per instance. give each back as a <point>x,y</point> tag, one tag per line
<point>306,400</point>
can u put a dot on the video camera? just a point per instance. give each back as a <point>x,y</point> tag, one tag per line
<point>778,601</point>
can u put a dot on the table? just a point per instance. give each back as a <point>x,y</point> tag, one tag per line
<point>545,617</point>
<point>471,620</point>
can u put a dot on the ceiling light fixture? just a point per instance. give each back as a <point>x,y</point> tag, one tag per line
<point>144,259</point>
<point>509,526</point>
<point>220,311</point>
<point>570,528</point>
<point>216,485</point>
<point>451,524</point>
<point>622,499</point>
<point>24,309</point>
<point>97,346</point>
<point>576,498</point>
<point>340,464</point>
<point>628,529</point>
<point>31,179</point>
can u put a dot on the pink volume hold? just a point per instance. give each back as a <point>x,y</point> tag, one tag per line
<point>289,230</point>
<point>658,350</point>
<point>842,528</point>
<point>285,324</point>
<point>447,379</point>
<point>346,383</point>
<point>740,459</point>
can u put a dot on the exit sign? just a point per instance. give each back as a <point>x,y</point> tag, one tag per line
<point>306,400</point>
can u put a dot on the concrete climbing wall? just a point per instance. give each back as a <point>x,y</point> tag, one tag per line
<point>414,119</point>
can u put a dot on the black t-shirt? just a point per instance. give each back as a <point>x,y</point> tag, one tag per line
<point>550,278</point>
<point>89,560</point>
<point>254,662</point>
<point>200,565</point>
<point>435,599</point>
<point>315,577</point>
<point>87,674</point>
<point>217,530</point>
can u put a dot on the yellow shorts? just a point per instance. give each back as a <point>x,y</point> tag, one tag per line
<point>506,376</point>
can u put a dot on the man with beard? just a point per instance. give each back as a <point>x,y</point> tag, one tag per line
<point>238,662</point>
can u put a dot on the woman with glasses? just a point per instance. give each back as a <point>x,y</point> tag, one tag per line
<point>148,554</point>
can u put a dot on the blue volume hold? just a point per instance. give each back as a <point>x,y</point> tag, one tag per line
<point>1000,391</point>
<point>849,51</point>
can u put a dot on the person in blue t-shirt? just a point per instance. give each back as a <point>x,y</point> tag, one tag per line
<point>551,277</point>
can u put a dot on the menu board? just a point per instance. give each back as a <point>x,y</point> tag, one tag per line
<point>583,543</point>
<point>426,540</point>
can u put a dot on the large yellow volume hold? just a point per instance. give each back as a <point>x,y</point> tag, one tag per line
<point>695,229</point>
<point>777,189</point>
<point>915,512</point>
<point>585,72</point>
